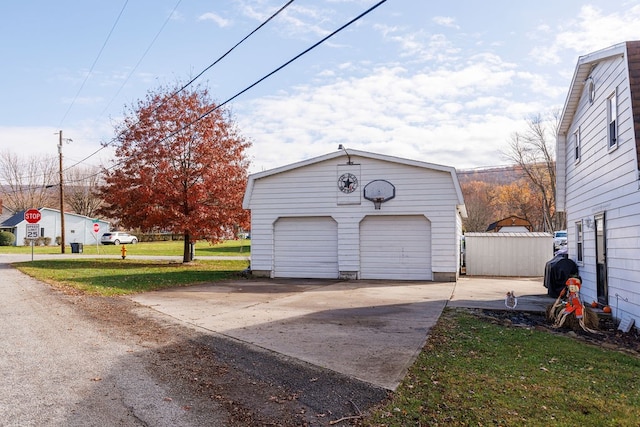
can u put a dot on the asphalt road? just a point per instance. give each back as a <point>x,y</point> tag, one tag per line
<point>60,369</point>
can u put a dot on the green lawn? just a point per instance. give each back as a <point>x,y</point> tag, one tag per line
<point>473,372</point>
<point>175,248</point>
<point>119,277</point>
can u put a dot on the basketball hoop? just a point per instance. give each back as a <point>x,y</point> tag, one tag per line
<point>379,191</point>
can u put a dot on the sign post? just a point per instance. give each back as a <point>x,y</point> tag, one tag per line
<point>32,216</point>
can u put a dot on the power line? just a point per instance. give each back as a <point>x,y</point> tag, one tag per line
<point>251,86</point>
<point>95,61</point>
<point>141,58</point>
<point>280,10</point>
<point>234,46</point>
<point>126,79</point>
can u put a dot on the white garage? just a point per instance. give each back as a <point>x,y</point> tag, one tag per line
<point>395,247</point>
<point>311,242</point>
<point>356,215</point>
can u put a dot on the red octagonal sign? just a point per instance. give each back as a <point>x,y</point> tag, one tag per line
<point>32,216</point>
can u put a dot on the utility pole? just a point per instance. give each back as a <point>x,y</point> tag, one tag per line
<point>62,242</point>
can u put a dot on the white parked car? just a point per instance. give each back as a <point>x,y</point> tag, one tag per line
<point>559,239</point>
<point>117,238</point>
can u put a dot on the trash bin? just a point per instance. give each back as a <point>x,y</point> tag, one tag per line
<point>556,273</point>
<point>76,248</point>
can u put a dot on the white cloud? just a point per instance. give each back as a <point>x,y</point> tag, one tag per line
<point>437,116</point>
<point>446,21</point>
<point>217,19</point>
<point>423,46</point>
<point>590,31</point>
<point>294,20</point>
<point>43,141</point>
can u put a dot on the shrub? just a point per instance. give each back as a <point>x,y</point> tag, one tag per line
<point>7,238</point>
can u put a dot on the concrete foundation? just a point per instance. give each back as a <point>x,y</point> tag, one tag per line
<point>448,276</point>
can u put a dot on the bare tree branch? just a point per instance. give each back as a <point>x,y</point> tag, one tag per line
<point>81,184</point>
<point>534,151</point>
<point>26,180</point>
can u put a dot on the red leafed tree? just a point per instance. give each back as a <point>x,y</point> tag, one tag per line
<point>180,167</point>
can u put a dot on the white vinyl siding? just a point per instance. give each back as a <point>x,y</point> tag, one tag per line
<point>306,247</point>
<point>605,181</point>
<point>311,190</point>
<point>395,247</point>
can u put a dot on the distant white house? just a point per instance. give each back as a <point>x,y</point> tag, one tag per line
<point>598,176</point>
<point>78,228</point>
<point>356,215</point>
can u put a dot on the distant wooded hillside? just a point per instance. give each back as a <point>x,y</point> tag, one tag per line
<point>497,175</point>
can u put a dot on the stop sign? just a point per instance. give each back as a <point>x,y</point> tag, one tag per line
<point>32,216</point>
<point>96,227</point>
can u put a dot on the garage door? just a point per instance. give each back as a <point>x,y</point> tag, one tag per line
<point>395,247</point>
<point>306,248</point>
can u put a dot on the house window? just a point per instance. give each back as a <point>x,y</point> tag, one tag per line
<point>612,114</point>
<point>579,242</point>
<point>576,145</point>
<point>592,90</point>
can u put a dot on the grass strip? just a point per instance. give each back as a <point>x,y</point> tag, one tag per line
<point>110,277</point>
<point>473,371</point>
<point>170,248</point>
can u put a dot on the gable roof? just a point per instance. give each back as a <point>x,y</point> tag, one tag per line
<point>365,154</point>
<point>13,220</point>
<point>585,64</point>
<point>629,50</point>
<point>510,221</point>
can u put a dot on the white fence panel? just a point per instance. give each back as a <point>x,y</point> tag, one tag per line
<point>507,254</point>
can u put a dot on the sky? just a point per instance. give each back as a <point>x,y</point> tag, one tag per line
<point>444,82</point>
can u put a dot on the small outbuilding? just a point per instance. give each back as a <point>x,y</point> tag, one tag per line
<point>510,224</point>
<point>356,215</point>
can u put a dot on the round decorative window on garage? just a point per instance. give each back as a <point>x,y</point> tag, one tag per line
<point>306,247</point>
<point>395,247</point>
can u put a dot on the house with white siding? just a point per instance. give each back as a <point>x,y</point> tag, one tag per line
<point>356,215</point>
<point>598,176</point>
<point>78,228</point>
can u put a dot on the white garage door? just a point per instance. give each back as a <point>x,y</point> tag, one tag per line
<point>306,248</point>
<point>395,247</point>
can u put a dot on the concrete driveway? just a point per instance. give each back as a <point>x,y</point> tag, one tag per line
<point>370,330</point>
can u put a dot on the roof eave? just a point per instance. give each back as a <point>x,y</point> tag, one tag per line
<point>583,68</point>
<point>246,201</point>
